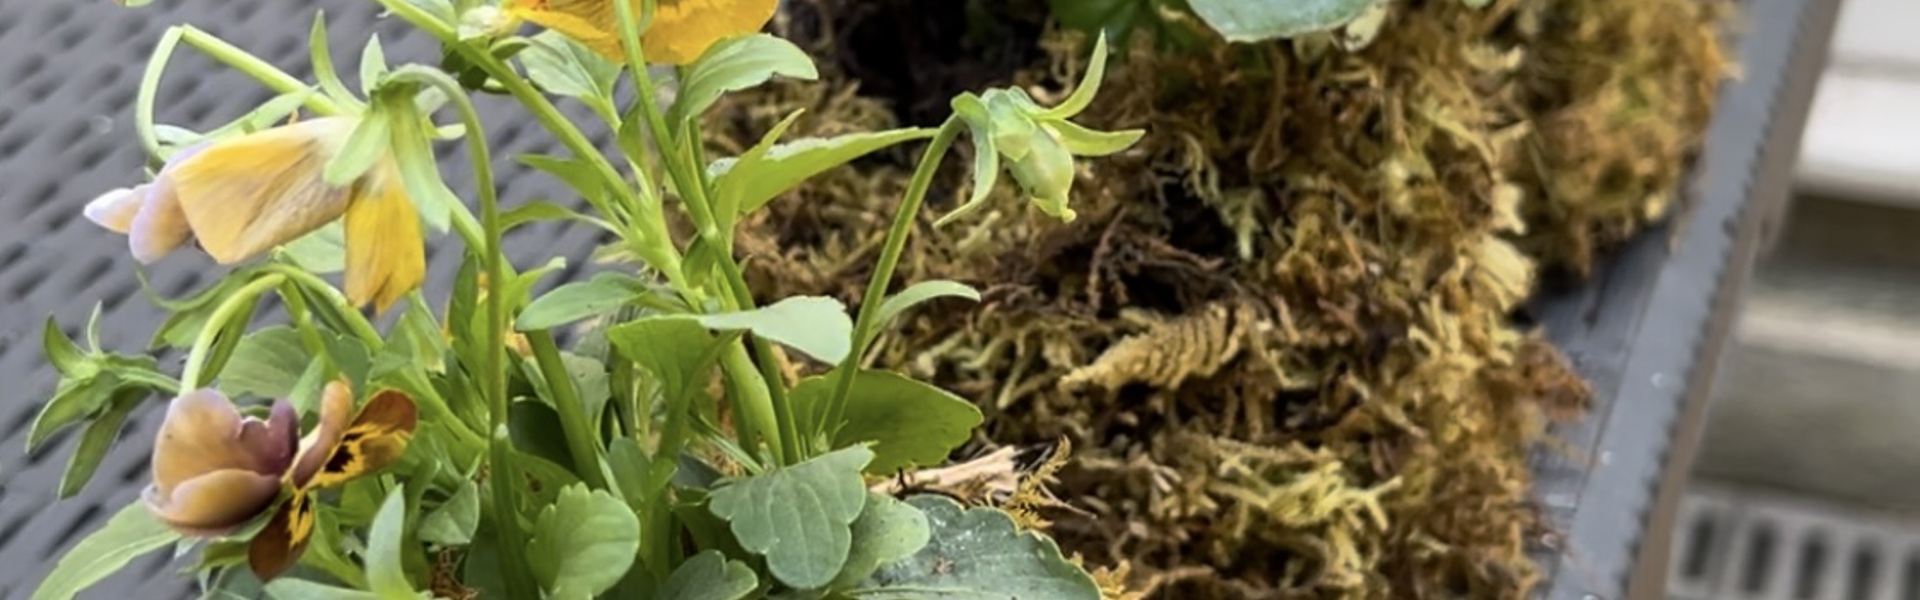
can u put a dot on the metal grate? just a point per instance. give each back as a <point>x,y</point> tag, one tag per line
<point>1744,544</point>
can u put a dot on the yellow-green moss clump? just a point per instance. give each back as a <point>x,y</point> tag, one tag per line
<point>1279,335</point>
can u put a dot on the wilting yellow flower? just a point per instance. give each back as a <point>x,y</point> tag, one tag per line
<point>242,196</point>
<point>681,31</point>
<point>214,471</point>
<point>337,451</point>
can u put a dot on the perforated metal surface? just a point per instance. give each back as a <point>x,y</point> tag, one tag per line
<point>1747,544</point>
<point>68,75</point>
<point>70,69</point>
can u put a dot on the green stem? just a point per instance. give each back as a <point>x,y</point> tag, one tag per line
<point>763,401</point>
<point>252,66</point>
<point>302,322</point>
<point>574,420</point>
<point>638,407</point>
<point>362,329</point>
<point>241,298</point>
<point>883,271</point>
<point>511,540</point>
<point>150,87</point>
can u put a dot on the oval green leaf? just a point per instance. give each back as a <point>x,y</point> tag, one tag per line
<point>1259,20</point>
<point>799,517</point>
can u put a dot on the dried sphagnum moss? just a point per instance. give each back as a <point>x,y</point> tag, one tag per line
<point>1279,334</point>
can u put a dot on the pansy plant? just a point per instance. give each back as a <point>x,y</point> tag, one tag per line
<point>454,448</point>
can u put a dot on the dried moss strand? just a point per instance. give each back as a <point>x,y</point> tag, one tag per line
<point>889,258</point>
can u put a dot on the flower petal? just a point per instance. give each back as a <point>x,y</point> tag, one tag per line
<point>336,408</point>
<point>202,433</point>
<point>274,440</point>
<point>114,210</point>
<point>251,193</point>
<point>285,537</point>
<point>214,504</point>
<point>682,30</point>
<point>159,226</point>
<point>376,439</point>
<point>386,254</point>
<point>590,22</point>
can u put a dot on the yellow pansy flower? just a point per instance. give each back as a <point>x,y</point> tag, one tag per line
<point>681,31</point>
<point>244,195</point>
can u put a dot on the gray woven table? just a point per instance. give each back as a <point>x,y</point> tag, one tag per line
<point>1647,333</point>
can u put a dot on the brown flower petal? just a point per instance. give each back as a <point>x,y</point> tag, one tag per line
<point>377,438</point>
<point>336,409</point>
<point>204,433</point>
<point>280,544</point>
<point>214,504</point>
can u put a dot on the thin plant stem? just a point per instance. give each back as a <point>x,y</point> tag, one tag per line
<point>190,376</point>
<point>575,423</point>
<point>876,292</point>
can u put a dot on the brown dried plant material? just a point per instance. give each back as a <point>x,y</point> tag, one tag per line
<point>1279,334</point>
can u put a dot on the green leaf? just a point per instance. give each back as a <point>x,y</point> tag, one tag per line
<point>482,571</point>
<point>440,9</point>
<point>368,142</point>
<point>737,64</point>
<point>631,467</point>
<point>322,57</point>
<point>60,350</point>
<point>73,402</point>
<point>452,523</point>
<point>267,364</point>
<point>413,154</point>
<point>132,532</point>
<point>910,423</point>
<point>415,342</point>
<point>544,211</point>
<point>709,576</point>
<point>288,588</point>
<point>583,543</point>
<point>98,439</point>
<point>1244,21</point>
<point>350,357</point>
<point>799,517</point>
<point>1082,95</point>
<point>887,531</point>
<point>978,554</point>
<point>305,393</point>
<point>766,170</point>
<point>323,251</point>
<point>561,66</point>
<point>986,156</point>
<point>815,325</point>
<point>515,292</point>
<point>535,428</point>
<point>922,292</point>
<point>576,174</point>
<point>589,383</point>
<point>668,347</point>
<point>1081,141</point>
<point>373,64</point>
<point>549,478</point>
<point>603,294</point>
<point>384,572</point>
